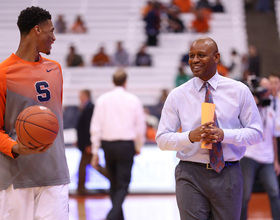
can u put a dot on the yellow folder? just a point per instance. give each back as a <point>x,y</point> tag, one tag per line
<point>207,114</point>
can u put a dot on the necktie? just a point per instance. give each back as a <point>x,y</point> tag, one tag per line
<point>216,153</point>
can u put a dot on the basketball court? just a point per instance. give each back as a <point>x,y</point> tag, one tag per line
<point>151,195</point>
<point>150,207</point>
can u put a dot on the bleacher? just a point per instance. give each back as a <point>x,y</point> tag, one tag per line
<point>109,21</point>
<point>277,14</point>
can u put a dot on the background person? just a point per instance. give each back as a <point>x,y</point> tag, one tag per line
<point>274,79</point>
<point>60,25</point>
<point>120,57</point>
<point>118,126</point>
<point>101,58</point>
<point>143,58</point>
<point>78,26</point>
<point>152,24</point>
<point>261,159</point>
<point>83,137</point>
<point>73,59</point>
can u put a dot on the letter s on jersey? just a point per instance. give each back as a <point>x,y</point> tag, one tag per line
<point>43,91</point>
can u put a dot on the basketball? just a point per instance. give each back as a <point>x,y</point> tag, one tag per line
<point>36,126</point>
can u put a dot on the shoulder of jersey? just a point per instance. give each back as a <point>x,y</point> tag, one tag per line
<point>53,61</point>
<point>7,62</point>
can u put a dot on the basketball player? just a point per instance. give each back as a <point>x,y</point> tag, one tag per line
<point>33,182</point>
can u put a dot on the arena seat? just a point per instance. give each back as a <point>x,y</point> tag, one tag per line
<point>110,21</point>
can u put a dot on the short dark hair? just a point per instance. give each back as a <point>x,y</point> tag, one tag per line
<point>119,78</point>
<point>275,74</point>
<point>30,17</point>
<point>87,93</point>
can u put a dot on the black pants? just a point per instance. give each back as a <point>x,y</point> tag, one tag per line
<point>119,160</point>
<point>152,37</point>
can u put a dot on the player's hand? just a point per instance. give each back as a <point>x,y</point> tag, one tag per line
<point>21,149</point>
<point>197,134</point>
<point>95,161</point>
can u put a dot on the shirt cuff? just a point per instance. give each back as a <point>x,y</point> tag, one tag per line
<point>229,135</point>
<point>95,150</point>
<point>183,140</point>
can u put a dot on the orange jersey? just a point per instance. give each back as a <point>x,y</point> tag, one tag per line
<point>22,86</point>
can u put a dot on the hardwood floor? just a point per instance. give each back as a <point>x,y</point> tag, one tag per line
<point>150,207</point>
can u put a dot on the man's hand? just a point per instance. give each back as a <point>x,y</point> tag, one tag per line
<point>21,149</point>
<point>95,161</point>
<point>88,149</point>
<point>196,134</point>
<point>208,133</point>
<point>212,134</point>
<point>277,167</point>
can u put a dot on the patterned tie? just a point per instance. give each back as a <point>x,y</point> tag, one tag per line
<point>216,153</point>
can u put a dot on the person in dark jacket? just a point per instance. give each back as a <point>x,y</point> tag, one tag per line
<point>83,136</point>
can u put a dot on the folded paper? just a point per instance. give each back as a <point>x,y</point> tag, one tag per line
<point>207,114</point>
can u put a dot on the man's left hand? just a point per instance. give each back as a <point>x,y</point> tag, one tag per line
<point>95,161</point>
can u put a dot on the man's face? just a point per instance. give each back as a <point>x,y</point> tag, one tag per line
<point>203,59</point>
<point>275,84</point>
<point>46,37</point>
<point>83,98</point>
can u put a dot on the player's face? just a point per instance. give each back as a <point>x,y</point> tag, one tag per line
<point>203,59</point>
<point>46,37</point>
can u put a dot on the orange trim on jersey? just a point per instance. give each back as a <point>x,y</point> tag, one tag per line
<point>6,143</point>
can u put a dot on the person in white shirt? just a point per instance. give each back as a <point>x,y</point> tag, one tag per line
<point>261,159</point>
<point>201,192</point>
<point>274,79</point>
<point>118,126</point>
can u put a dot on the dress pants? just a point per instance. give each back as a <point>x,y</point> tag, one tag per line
<point>119,160</point>
<point>268,178</point>
<point>85,160</point>
<point>204,194</point>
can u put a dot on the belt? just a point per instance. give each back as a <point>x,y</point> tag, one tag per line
<point>208,166</point>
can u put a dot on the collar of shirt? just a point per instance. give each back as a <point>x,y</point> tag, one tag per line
<point>213,82</point>
<point>119,88</point>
